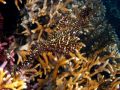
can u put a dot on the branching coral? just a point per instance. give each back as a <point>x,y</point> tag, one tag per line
<point>73,19</point>
<point>59,33</point>
<point>69,46</point>
<point>7,81</point>
<point>74,72</point>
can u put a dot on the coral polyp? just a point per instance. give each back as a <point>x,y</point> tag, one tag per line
<point>62,45</point>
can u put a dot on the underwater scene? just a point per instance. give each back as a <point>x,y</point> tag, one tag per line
<point>59,45</point>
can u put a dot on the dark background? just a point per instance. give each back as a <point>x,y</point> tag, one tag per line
<point>10,15</point>
<point>113,14</point>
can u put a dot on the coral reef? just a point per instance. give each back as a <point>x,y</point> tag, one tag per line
<point>9,81</point>
<point>61,45</point>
